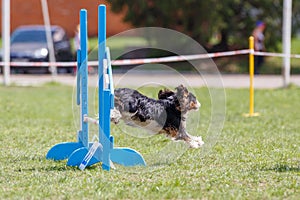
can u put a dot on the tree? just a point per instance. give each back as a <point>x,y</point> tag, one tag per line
<point>231,20</point>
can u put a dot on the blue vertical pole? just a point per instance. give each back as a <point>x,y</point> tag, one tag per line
<point>83,73</point>
<point>104,139</point>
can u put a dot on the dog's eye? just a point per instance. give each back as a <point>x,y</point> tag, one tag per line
<point>194,105</point>
<point>192,97</point>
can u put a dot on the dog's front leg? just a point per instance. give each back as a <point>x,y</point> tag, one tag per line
<point>192,141</point>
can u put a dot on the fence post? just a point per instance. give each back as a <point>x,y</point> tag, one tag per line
<point>6,40</point>
<point>286,41</point>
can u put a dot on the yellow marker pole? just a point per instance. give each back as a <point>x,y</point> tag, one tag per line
<point>251,74</point>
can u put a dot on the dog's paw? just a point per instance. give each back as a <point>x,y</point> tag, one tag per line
<point>199,140</point>
<point>115,116</point>
<point>196,142</point>
<point>115,121</point>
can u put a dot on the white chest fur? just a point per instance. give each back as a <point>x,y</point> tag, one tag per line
<point>150,125</point>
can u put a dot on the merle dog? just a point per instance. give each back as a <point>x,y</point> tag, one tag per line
<point>166,115</point>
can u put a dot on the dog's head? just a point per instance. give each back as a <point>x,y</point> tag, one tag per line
<point>185,100</point>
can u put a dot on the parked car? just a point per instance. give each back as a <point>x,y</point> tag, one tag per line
<point>29,44</point>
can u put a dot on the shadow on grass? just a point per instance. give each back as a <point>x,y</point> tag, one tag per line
<point>48,168</point>
<point>282,168</point>
<point>56,168</point>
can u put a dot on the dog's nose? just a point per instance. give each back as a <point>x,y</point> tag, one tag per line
<point>198,104</point>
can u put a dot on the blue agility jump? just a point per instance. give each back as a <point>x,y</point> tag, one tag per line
<point>83,152</point>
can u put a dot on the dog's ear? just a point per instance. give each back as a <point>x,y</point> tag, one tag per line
<point>181,92</point>
<point>164,94</point>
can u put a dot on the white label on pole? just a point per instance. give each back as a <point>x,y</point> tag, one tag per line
<point>89,155</point>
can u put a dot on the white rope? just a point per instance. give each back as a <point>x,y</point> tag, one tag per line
<point>151,60</point>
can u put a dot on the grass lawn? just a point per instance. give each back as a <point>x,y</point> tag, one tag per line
<point>254,158</point>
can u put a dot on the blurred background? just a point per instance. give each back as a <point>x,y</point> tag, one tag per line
<point>217,25</point>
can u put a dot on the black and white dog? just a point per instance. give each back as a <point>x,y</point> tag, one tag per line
<point>166,115</point>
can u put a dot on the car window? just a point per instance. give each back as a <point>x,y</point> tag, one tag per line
<point>29,36</point>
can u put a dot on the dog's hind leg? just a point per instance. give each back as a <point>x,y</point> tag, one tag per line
<point>115,116</point>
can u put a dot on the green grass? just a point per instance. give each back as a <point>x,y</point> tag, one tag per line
<point>254,158</point>
<point>273,65</point>
<point>295,46</point>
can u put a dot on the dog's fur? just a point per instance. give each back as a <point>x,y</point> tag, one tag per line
<point>166,115</point>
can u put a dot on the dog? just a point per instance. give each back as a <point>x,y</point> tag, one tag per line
<point>166,115</point>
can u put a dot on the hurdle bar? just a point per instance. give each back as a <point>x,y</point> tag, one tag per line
<point>85,153</point>
<point>65,150</point>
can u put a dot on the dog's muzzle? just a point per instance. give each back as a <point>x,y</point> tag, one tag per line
<point>198,105</point>
<point>195,106</point>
